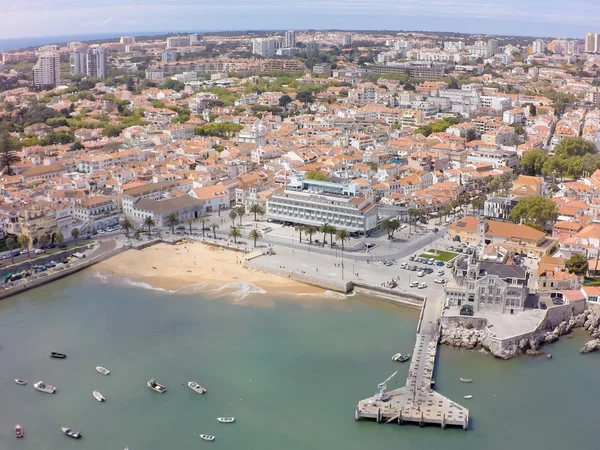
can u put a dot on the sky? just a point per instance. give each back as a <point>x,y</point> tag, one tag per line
<point>559,18</point>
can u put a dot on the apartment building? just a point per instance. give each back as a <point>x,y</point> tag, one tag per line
<point>153,191</point>
<point>592,43</point>
<point>264,47</point>
<point>311,202</point>
<point>498,208</point>
<point>46,71</point>
<point>97,64</point>
<point>290,39</point>
<point>495,158</point>
<point>97,213</point>
<point>184,207</point>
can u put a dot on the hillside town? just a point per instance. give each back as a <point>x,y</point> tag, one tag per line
<point>493,140</point>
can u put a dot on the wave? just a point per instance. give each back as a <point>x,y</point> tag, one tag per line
<point>101,277</point>
<point>241,289</point>
<point>326,294</point>
<point>139,284</point>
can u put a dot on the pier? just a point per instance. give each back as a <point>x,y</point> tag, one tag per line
<point>417,402</point>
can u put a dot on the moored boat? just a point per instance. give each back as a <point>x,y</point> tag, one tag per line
<point>468,396</point>
<point>42,387</point>
<point>102,370</point>
<point>57,355</point>
<point>19,381</point>
<point>98,396</point>
<point>396,356</point>
<point>466,380</point>
<point>196,387</point>
<point>226,419</point>
<point>152,384</point>
<point>207,437</point>
<point>71,433</point>
<point>404,358</point>
<point>19,431</point>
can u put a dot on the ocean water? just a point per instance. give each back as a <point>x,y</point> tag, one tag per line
<point>290,372</point>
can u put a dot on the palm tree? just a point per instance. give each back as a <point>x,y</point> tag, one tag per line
<point>127,225</point>
<point>413,213</point>
<point>11,244</point>
<point>332,231</point>
<point>25,243</point>
<point>241,210</point>
<point>8,156</point>
<point>232,216</point>
<point>59,238</point>
<point>75,234</point>
<point>342,236</point>
<point>254,235</point>
<point>149,222</point>
<point>391,226</point>
<point>310,230</point>
<point>300,229</point>
<point>189,222</point>
<point>256,209</point>
<point>44,241</point>
<point>202,221</point>
<point>172,220</point>
<point>214,227</point>
<point>235,233</point>
<point>324,229</point>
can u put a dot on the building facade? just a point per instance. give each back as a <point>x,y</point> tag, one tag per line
<point>498,208</point>
<point>46,71</point>
<point>290,39</point>
<point>97,64</point>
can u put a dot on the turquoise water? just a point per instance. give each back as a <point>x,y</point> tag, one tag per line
<point>290,373</point>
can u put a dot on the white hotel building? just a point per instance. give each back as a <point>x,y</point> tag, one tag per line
<point>311,202</point>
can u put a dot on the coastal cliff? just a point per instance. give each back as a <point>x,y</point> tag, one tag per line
<point>459,336</point>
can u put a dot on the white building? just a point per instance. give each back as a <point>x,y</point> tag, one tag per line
<point>538,46</point>
<point>264,47</point>
<point>127,40</point>
<point>346,40</point>
<point>592,43</point>
<point>46,71</point>
<point>290,39</point>
<point>78,61</point>
<point>492,45</point>
<point>311,202</point>
<point>169,55</point>
<point>97,64</point>
<point>178,41</point>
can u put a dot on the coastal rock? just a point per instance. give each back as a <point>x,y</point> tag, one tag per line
<point>550,337</point>
<point>532,353</point>
<point>523,344</point>
<point>591,346</point>
<point>548,356</point>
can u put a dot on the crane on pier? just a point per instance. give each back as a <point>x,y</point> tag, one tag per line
<point>381,387</point>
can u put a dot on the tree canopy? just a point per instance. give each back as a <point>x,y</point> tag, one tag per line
<point>577,264</point>
<point>533,161</point>
<point>222,129</point>
<point>536,209</point>
<point>317,175</point>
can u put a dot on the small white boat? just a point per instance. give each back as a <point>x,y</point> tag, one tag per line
<point>207,437</point>
<point>196,387</point>
<point>19,381</point>
<point>102,370</point>
<point>98,396</point>
<point>226,419</point>
<point>396,356</point>
<point>152,384</point>
<point>40,386</point>
<point>468,396</point>
<point>466,380</point>
<point>71,433</point>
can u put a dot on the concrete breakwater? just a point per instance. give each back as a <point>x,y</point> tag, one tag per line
<point>474,333</point>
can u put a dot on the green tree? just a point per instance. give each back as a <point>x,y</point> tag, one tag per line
<point>254,235</point>
<point>555,167</point>
<point>8,155</point>
<point>232,216</point>
<point>310,230</point>
<point>11,244</point>
<point>172,220</point>
<point>285,100</point>
<point>241,211</point>
<point>75,234</point>
<point>214,228</point>
<point>234,233</point>
<point>325,230</point>
<point>478,203</point>
<point>305,97</point>
<point>77,145</point>
<point>390,226</point>
<point>59,238</point>
<point>43,241</point>
<point>300,230</point>
<point>202,221</point>
<point>149,223</point>
<point>535,226</point>
<point>533,161</point>
<point>317,175</point>
<point>569,147</point>
<point>342,236</point>
<point>577,264</point>
<point>25,243</point>
<point>256,209</point>
<point>537,209</point>
<point>127,225</point>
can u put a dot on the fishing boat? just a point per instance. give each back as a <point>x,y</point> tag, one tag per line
<point>466,380</point>
<point>396,356</point>
<point>19,431</point>
<point>207,437</point>
<point>57,355</point>
<point>71,433</point>
<point>196,387</point>
<point>42,387</point>
<point>98,396</point>
<point>404,358</point>
<point>102,370</point>
<point>152,384</point>
<point>19,381</point>
<point>226,419</point>
<point>468,396</point>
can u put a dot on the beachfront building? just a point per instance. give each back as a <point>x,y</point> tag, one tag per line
<point>184,206</point>
<point>488,286</point>
<point>97,213</point>
<point>152,191</point>
<point>312,202</point>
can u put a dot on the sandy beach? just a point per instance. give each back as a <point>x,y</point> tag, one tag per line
<point>183,267</point>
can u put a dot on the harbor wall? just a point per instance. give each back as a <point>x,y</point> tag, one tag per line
<point>476,323</point>
<point>389,295</point>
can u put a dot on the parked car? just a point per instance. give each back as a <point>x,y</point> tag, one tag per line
<point>428,270</point>
<point>440,263</point>
<point>403,266</point>
<point>411,258</point>
<point>422,285</point>
<point>467,310</point>
<point>421,274</point>
<point>440,272</point>
<point>543,305</point>
<point>439,281</point>
<point>39,250</point>
<point>414,284</point>
<point>558,301</point>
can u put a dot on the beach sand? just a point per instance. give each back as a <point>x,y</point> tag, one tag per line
<point>180,267</point>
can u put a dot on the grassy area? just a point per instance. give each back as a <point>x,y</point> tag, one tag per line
<point>591,281</point>
<point>48,252</point>
<point>440,255</point>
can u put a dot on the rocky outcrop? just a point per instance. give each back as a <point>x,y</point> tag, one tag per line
<point>461,337</point>
<point>591,346</point>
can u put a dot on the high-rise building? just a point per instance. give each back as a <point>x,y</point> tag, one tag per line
<point>46,71</point>
<point>312,47</point>
<point>178,41</point>
<point>127,40</point>
<point>78,60</point>
<point>290,39</point>
<point>492,46</point>
<point>538,46</point>
<point>347,40</point>
<point>97,65</point>
<point>592,43</point>
<point>169,55</point>
<point>194,39</point>
<point>264,47</point>
<point>2,67</point>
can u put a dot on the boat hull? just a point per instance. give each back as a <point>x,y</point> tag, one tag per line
<point>47,389</point>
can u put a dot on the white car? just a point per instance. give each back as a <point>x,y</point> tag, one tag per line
<point>439,281</point>
<point>422,285</point>
<point>414,284</point>
<point>440,272</point>
<point>403,266</point>
<point>38,251</point>
<point>421,274</point>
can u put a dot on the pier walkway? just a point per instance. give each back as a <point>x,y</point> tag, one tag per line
<point>417,402</point>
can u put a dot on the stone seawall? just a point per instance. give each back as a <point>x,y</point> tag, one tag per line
<point>389,295</point>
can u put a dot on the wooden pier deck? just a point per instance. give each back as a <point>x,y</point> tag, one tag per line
<point>417,402</point>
